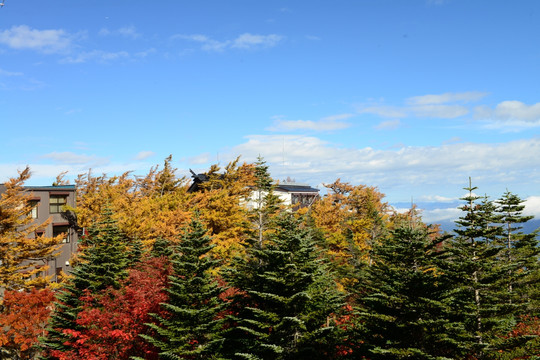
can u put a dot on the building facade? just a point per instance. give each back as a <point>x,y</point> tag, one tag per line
<point>49,202</point>
<point>296,195</point>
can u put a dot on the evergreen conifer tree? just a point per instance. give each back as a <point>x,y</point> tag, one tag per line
<point>520,253</point>
<point>403,314</point>
<point>103,263</point>
<point>519,288</point>
<point>135,252</point>
<point>161,247</point>
<point>192,331</point>
<point>477,274</point>
<point>286,298</point>
<point>266,202</point>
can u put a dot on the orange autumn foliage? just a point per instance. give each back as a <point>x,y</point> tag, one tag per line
<point>350,216</point>
<point>220,207</point>
<point>158,204</point>
<point>23,319</point>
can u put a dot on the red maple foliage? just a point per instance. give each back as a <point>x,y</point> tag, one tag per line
<point>528,326</point>
<point>113,320</point>
<point>23,319</point>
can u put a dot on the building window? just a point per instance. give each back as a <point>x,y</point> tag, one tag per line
<point>61,230</point>
<point>56,203</point>
<point>34,208</point>
<point>303,199</point>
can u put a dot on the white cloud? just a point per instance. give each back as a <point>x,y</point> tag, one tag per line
<point>441,106</point>
<point>144,155</point>
<point>200,159</point>
<point>436,198</point>
<point>532,206</point>
<point>510,114</point>
<point>6,73</point>
<point>440,111</point>
<point>11,80</point>
<point>452,140</point>
<point>43,174</point>
<point>247,41</point>
<point>325,124</point>
<point>46,41</point>
<point>316,161</point>
<point>243,41</point>
<point>337,117</point>
<point>435,216</point>
<point>388,125</point>
<point>207,43</point>
<point>97,55</point>
<point>75,159</point>
<point>127,31</point>
<point>383,111</point>
<point>464,97</point>
<point>145,53</point>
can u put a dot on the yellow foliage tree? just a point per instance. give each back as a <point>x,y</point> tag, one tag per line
<point>149,207</point>
<point>20,249</point>
<point>351,219</point>
<point>158,205</point>
<point>220,204</point>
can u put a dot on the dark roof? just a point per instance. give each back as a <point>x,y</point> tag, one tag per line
<point>49,188</point>
<point>198,179</point>
<point>42,188</point>
<point>296,188</point>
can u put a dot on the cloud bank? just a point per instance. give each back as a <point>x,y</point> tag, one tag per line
<point>244,41</point>
<point>23,37</point>
<point>325,124</point>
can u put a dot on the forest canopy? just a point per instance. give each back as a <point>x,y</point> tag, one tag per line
<point>167,272</point>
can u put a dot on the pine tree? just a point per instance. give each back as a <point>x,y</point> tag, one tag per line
<point>192,331</point>
<point>135,252</point>
<point>266,202</point>
<point>161,247</point>
<point>520,252</point>
<point>519,289</point>
<point>403,312</point>
<point>477,275</point>
<point>103,264</point>
<point>285,300</point>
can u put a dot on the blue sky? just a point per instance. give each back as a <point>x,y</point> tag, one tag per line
<point>411,96</point>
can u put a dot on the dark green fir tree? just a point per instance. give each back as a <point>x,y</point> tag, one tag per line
<point>520,253</point>
<point>103,263</point>
<point>135,252</point>
<point>161,247</point>
<point>477,275</point>
<point>403,314</point>
<point>265,203</point>
<point>286,298</point>
<point>519,291</point>
<point>193,328</point>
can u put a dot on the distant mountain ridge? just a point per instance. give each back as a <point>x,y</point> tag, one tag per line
<point>528,227</point>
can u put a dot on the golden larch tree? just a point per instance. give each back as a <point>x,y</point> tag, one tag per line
<point>20,248</point>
